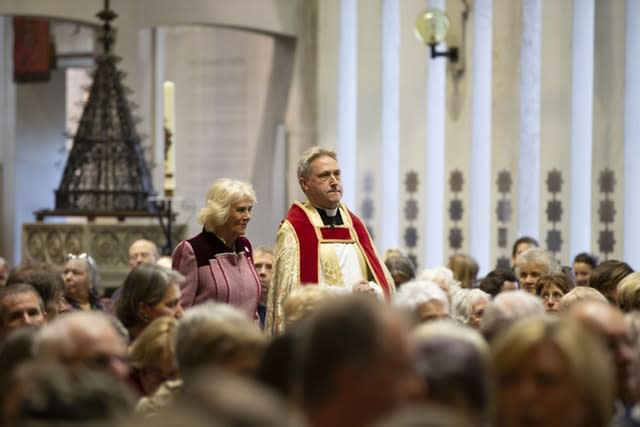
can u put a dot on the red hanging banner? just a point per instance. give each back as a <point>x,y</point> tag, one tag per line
<point>31,50</point>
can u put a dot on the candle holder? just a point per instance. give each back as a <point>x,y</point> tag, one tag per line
<point>164,211</point>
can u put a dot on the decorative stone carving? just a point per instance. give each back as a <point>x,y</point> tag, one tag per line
<point>107,243</point>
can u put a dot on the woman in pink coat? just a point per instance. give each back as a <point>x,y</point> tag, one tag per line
<point>217,263</point>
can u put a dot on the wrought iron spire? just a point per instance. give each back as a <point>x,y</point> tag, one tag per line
<point>106,169</point>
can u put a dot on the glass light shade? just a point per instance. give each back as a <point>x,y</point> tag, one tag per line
<point>432,26</point>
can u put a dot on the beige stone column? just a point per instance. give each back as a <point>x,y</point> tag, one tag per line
<point>412,108</point>
<point>481,180</point>
<point>457,179</point>
<point>580,212</point>
<point>327,87</point>
<point>632,135</point>
<point>370,175</point>
<point>555,127</point>
<point>505,127</point>
<point>608,130</point>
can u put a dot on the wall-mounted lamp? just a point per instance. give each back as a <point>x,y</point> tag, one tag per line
<point>432,28</point>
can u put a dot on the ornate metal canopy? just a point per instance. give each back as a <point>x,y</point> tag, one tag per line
<point>106,169</point>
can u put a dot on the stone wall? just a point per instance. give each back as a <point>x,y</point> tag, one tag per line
<point>108,244</point>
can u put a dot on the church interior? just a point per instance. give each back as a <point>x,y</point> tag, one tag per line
<point>531,130</point>
<point>322,213</point>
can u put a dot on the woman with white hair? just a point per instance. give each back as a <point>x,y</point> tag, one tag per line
<point>82,282</point>
<point>424,299</point>
<point>468,306</point>
<point>218,262</point>
<point>532,264</point>
<point>443,277</point>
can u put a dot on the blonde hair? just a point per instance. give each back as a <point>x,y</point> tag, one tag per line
<point>222,193</point>
<point>464,269</point>
<point>302,301</point>
<point>629,292</point>
<point>587,361</point>
<point>155,341</point>
<point>215,334</point>
<point>580,293</point>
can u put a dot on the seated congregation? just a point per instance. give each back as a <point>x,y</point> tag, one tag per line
<point>536,345</point>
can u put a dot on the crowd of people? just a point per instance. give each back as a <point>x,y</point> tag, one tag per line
<point>318,331</point>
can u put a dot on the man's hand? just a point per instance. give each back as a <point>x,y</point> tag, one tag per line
<point>364,287</point>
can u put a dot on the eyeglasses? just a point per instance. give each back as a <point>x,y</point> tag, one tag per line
<point>83,256</point>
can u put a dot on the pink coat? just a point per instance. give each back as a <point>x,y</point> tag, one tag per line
<point>215,272</point>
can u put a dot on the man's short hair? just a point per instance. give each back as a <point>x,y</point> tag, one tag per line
<point>304,164</point>
<point>524,239</point>
<point>49,393</point>
<point>151,243</point>
<point>17,289</point>
<point>263,249</point>
<point>345,333</point>
<point>55,340</point>
<point>45,279</point>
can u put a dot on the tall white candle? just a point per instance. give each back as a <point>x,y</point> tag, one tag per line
<point>170,139</point>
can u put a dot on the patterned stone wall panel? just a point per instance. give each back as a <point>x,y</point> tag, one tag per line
<point>411,235</point>
<point>554,212</point>
<point>107,243</point>
<point>503,217</point>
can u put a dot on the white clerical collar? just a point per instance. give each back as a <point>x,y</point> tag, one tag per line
<point>329,212</point>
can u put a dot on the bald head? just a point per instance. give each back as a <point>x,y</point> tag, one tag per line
<point>143,251</point>
<point>84,338</point>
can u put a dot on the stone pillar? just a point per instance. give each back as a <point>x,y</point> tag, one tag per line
<point>632,135</point>
<point>372,172</point>
<point>347,108</point>
<point>481,179</point>
<point>434,168</point>
<point>583,23</point>
<point>458,147</point>
<point>413,59</point>
<point>608,130</point>
<point>529,171</point>
<point>505,125</point>
<point>555,128</point>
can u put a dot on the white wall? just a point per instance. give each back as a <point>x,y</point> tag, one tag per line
<point>40,147</point>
